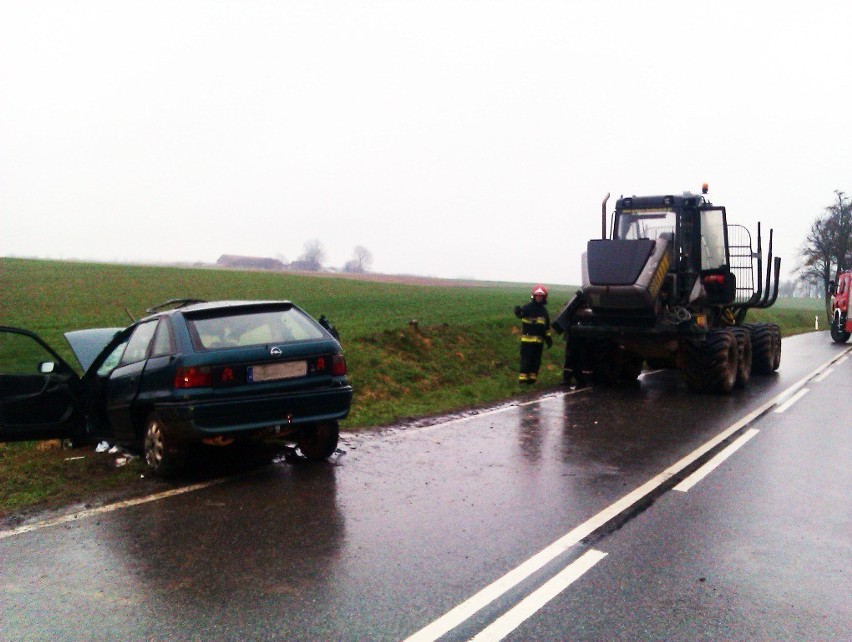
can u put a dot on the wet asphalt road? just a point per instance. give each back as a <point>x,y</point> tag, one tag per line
<point>410,523</point>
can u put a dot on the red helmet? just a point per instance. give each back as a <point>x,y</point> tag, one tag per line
<point>539,289</point>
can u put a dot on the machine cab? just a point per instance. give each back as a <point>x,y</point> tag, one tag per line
<point>694,238</point>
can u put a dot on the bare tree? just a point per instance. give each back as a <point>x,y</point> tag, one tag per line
<point>361,262</point>
<point>313,256</point>
<point>828,247</point>
<point>787,289</point>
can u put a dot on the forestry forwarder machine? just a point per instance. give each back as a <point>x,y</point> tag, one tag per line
<point>671,286</point>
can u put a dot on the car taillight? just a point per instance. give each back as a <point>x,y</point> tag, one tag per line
<point>338,365</point>
<point>193,377</point>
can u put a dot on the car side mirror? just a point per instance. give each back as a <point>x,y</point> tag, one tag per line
<point>46,367</point>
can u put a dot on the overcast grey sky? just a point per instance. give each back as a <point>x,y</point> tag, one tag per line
<point>455,139</point>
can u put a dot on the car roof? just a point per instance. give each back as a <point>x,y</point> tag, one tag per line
<point>212,306</point>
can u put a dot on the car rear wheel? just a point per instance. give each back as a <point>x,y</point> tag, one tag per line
<point>319,441</point>
<point>163,457</point>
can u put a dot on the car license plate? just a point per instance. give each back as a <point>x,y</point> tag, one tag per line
<point>274,371</point>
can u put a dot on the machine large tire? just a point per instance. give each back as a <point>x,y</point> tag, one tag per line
<point>605,362</point>
<point>776,337</point>
<point>765,348</point>
<point>631,366</point>
<point>744,356</point>
<point>722,359</point>
<point>660,363</point>
<point>163,456</point>
<point>838,335</point>
<point>319,441</point>
<point>711,366</point>
<point>692,358</point>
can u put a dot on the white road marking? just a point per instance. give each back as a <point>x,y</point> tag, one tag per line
<point>478,415</point>
<point>823,375</point>
<point>784,406</point>
<point>845,357</point>
<point>528,607</point>
<point>714,463</point>
<point>109,508</point>
<point>455,616</point>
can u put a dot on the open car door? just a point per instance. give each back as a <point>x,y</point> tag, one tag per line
<point>39,392</point>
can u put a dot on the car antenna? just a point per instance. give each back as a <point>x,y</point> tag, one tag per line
<point>132,320</point>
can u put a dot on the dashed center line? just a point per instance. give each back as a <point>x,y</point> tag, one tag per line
<point>823,375</point>
<point>530,605</point>
<point>784,406</point>
<point>714,463</point>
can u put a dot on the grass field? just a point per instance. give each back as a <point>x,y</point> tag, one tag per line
<point>463,352</point>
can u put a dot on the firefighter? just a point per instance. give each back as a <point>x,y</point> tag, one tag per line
<point>535,333</point>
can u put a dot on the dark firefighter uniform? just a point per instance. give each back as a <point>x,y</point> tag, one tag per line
<point>535,333</point>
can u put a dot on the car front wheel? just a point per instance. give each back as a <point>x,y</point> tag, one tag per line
<point>164,459</point>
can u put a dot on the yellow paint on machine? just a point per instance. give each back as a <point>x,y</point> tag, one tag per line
<point>657,281</point>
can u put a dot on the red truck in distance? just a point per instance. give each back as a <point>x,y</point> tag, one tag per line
<point>841,324</point>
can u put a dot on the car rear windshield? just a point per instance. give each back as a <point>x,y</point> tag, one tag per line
<point>254,328</point>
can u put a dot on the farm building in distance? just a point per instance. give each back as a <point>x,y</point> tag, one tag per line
<point>251,262</point>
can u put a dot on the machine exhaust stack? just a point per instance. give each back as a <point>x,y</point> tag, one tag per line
<point>768,290</point>
<point>755,298</point>
<point>771,301</point>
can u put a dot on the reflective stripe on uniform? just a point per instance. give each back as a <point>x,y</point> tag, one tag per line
<point>534,320</point>
<point>531,339</point>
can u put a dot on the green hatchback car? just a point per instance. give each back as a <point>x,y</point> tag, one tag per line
<point>191,372</point>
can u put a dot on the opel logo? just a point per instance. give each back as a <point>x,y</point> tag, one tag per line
<point>275,351</point>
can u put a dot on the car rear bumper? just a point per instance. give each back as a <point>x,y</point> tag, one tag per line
<point>193,420</point>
